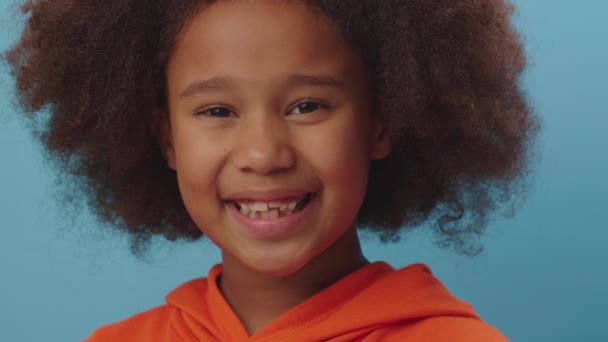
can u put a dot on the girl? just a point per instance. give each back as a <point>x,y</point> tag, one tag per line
<point>277,129</point>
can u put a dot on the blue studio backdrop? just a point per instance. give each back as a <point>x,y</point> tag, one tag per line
<point>542,278</point>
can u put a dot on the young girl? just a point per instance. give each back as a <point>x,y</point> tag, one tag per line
<point>277,129</point>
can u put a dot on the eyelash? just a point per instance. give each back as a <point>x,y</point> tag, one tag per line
<point>320,104</point>
<point>206,111</point>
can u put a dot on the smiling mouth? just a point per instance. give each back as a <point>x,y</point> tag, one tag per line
<point>272,210</point>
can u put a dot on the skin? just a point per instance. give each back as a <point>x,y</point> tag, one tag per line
<point>256,128</point>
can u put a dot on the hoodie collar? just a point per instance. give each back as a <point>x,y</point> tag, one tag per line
<point>373,296</point>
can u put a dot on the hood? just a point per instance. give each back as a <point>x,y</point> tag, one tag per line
<point>374,296</point>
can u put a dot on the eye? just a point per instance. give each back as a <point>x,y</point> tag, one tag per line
<point>216,112</point>
<point>308,106</point>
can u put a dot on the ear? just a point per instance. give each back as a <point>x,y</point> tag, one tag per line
<point>381,144</point>
<point>160,126</point>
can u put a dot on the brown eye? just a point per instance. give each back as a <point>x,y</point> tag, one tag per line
<point>216,112</point>
<point>306,107</point>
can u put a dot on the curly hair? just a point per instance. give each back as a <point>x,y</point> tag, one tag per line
<point>446,76</point>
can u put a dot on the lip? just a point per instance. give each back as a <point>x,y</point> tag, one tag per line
<point>272,228</point>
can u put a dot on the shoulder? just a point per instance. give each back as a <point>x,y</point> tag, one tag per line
<point>162,323</point>
<point>440,329</point>
<point>153,322</point>
<point>429,312</point>
<point>461,329</point>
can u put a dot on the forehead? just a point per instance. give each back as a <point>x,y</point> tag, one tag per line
<point>256,40</point>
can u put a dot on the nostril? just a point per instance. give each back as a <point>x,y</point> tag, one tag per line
<point>264,158</point>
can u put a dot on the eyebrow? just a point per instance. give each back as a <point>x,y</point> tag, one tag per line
<point>226,82</point>
<point>215,83</point>
<point>316,80</point>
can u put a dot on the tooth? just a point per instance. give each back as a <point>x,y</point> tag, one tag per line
<point>253,215</point>
<point>283,207</point>
<point>265,215</point>
<point>292,205</point>
<point>260,206</point>
<point>244,209</point>
<point>273,214</point>
<point>274,205</point>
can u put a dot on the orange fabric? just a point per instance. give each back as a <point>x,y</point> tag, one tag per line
<point>375,303</point>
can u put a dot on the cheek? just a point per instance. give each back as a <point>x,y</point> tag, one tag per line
<point>198,191</point>
<point>343,146</point>
<point>341,159</point>
<point>198,162</point>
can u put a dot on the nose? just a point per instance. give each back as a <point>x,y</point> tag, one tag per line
<point>263,146</point>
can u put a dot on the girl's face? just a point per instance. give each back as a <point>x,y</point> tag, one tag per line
<point>270,131</point>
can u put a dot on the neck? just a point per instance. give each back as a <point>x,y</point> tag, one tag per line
<point>258,299</point>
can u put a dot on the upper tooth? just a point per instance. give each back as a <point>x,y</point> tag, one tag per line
<point>274,205</point>
<point>265,206</point>
<point>292,205</point>
<point>259,206</point>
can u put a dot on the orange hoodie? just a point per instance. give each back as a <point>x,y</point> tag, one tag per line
<point>375,303</point>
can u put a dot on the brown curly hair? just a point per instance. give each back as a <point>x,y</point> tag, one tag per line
<point>446,75</point>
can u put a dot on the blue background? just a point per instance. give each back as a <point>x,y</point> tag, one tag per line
<point>544,276</point>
